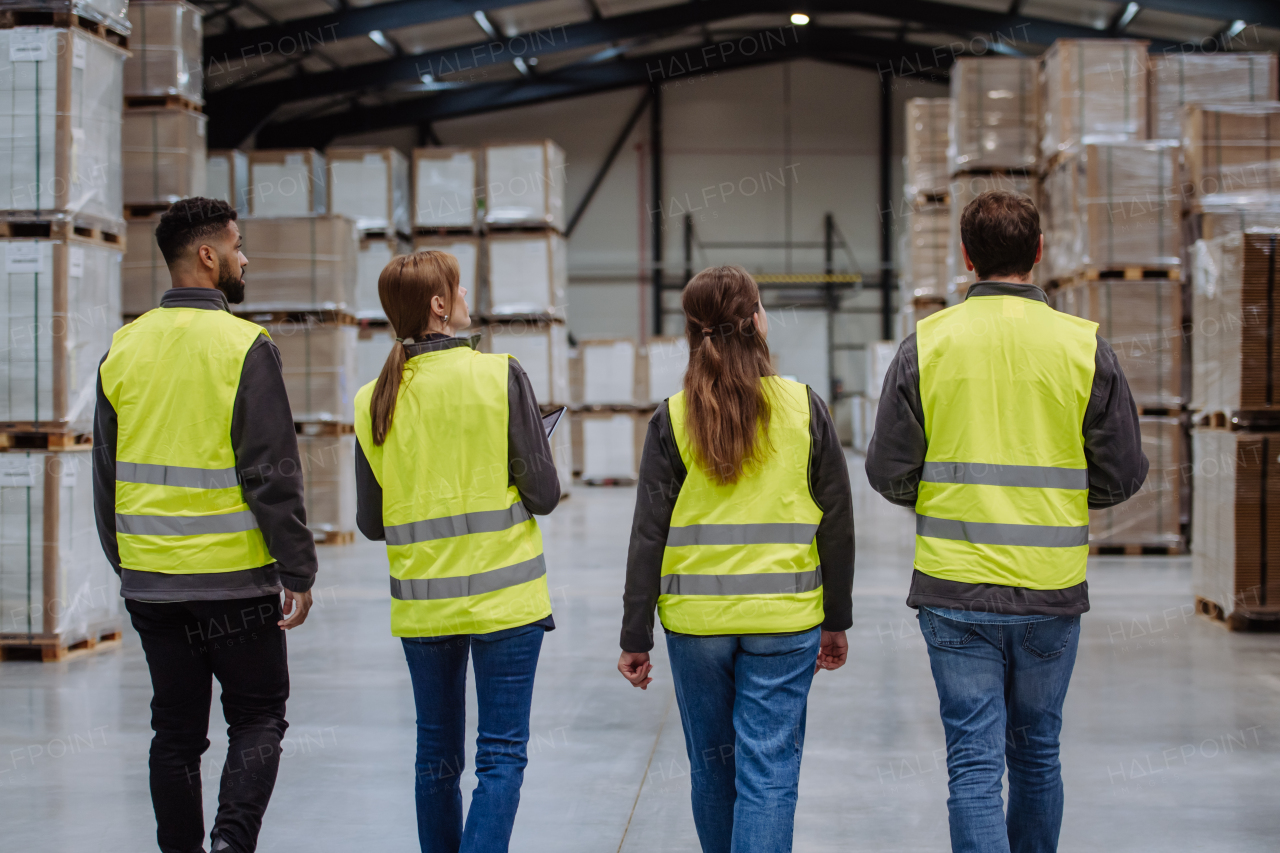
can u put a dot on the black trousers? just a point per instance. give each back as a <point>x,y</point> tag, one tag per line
<point>187,643</point>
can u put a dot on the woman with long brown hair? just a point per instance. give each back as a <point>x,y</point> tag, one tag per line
<point>743,539</point>
<point>451,465</point>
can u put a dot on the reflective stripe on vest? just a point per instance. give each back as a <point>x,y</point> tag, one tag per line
<point>465,554</point>
<point>172,376</point>
<point>743,558</point>
<point>1003,497</point>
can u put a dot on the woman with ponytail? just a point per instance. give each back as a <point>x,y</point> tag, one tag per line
<point>743,540</point>
<point>451,465</point>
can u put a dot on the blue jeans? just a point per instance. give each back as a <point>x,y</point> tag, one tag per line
<point>505,662</point>
<point>742,703</point>
<point>1001,683</point>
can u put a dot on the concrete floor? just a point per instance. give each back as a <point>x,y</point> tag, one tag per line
<point>1172,739</point>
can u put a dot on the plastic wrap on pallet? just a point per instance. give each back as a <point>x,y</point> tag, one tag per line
<point>446,186</point>
<point>60,141</point>
<point>371,187</point>
<point>1235,511</point>
<point>525,184</point>
<point>227,178</point>
<point>1215,221</point>
<point>62,304</point>
<point>1178,79</point>
<point>666,359</point>
<point>924,269</point>
<point>995,114</point>
<point>1095,90</point>
<point>611,443</point>
<point>613,372</point>
<point>926,163</point>
<point>375,254</point>
<point>299,263</point>
<point>112,13</point>
<point>466,249</point>
<point>320,369</point>
<point>1153,516</point>
<point>287,182</point>
<point>54,578</point>
<point>528,273</point>
<point>562,453</point>
<point>1142,320</point>
<point>1233,363</point>
<point>329,482</point>
<point>165,155</point>
<point>542,350</point>
<point>1231,153</point>
<point>168,50</point>
<point>964,189</point>
<point>144,276</point>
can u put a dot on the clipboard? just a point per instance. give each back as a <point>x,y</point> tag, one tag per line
<point>552,420</point>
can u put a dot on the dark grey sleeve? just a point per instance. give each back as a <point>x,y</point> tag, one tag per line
<point>368,499</point>
<point>266,448</point>
<point>662,473</point>
<point>895,455</point>
<point>829,483</point>
<point>529,462</point>
<point>1112,438</point>
<point>104,473</point>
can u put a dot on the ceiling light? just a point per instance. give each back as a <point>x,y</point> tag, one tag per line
<point>1236,28</point>
<point>799,18</point>
<point>1130,12</point>
<point>380,40</point>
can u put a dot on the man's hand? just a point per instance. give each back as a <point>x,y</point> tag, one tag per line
<point>296,607</point>
<point>635,667</point>
<point>833,650</point>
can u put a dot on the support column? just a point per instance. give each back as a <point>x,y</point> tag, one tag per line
<point>655,214</point>
<point>887,283</point>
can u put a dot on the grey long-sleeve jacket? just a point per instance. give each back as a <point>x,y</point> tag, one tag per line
<point>1112,450</point>
<point>529,464</point>
<point>269,470</point>
<point>662,474</point>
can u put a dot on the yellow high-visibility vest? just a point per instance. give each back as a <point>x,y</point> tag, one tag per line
<point>743,558</point>
<point>172,376</point>
<point>465,554</point>
<point>1003,499</point>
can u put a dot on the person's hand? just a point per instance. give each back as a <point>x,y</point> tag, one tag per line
<point>832,651</point>
<point>635,667</point>
<point>296,607</point>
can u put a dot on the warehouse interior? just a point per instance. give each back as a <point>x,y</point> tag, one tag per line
<point>583,159</point>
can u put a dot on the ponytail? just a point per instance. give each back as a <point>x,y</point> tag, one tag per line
<point>383,405</point>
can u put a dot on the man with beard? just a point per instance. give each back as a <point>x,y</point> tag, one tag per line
<point>198,496</point>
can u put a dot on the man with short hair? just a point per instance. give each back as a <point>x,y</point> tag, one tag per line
<point>1002,422</point>
<point>198,496</point>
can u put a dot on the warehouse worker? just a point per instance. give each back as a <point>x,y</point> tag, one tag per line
<point>198,497</point>
<point>743,538</point>
<point>451,465</point>
<point>1002,422</point>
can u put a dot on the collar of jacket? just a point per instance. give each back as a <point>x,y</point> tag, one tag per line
<point>437,342</point>
<point>208,298</point>
<point>1006,288</point>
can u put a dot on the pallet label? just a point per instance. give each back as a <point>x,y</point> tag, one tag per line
<point>79,54</point>
<point>28,45</point>
<point>75,261</point>
<point>18,472</point>
<point>24,259</point>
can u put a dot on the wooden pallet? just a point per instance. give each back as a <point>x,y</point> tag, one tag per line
<point>927,199</point>
<point>333,537</point>
<point>10,18</point>
<point>23,228</point>
<point>28,436</point>
<point>323,428</point>
<point>35,647</point>
<point>1136,550</point>
<point>375,234</point>
<point>320,317</point>
<point>1131,273</point>
<point>144,211</point>
<point>1239,620</point>
<point>1237,420</point>
<point>458,231</point>
<point>172,102</point>
<point>512,319</point>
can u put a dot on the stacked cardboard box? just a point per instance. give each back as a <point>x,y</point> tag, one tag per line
<point>447,189</point>
<point>926,169</point>
<point>1095,90</point>
<point>1178,79</point>
<point>1231,154</point>
<point>924,242</point>
<point>370,186</point>
<point>287,182</point>
<point>1153,517</point>
<point>168,51</point>
<point>227,178</point>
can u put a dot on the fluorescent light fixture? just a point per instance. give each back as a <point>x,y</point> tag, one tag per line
<point>428,79</point>
<point>1236,28</point>
<point>533,60</point>
<point>520,66</point>
<point>1130,12</point>
<point>799,18</point>
<point>483,20</point>
<point>381,41</point>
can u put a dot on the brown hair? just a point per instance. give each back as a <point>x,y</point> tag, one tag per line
<point>406,287</point>
<point>1000,231</point>
<point>727,409</point>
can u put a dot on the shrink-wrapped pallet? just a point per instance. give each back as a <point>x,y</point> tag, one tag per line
<point>1142,320</point>
<point>524,184</point>
<point>286,182</point>
<point>613,373</point>
<point>299,263</point>
<point>924,270</point>
<point>375,254</point>
<point>60,105</point>
<point>167,48</point>
<point>1234,360</point>
<point>165,155</point>
<point>609,444</point>
<point>373,345</point>
<point>1095,90</point>
<point>542,350</point>
<point>112,13</point>
<point>995,114</point>
<point>1234,521</point>
<point>227,178</point>
<point>926,164</point>
<point>446,186</point>
<point>56,586</point>
<point>329,482</point>
<point>528,273</point>
<point>144,276</point>
<point>964,189</point>
<point>320,369</point>
<point>562,452</point>
<point>666,359</point>
<point>1152,517</point>
<point>1178,79</point>
<point>1216,221</point>
<point>370,186</point>
<point>466,249</point>
<point>62,304</point>
<point>1232,153</point>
